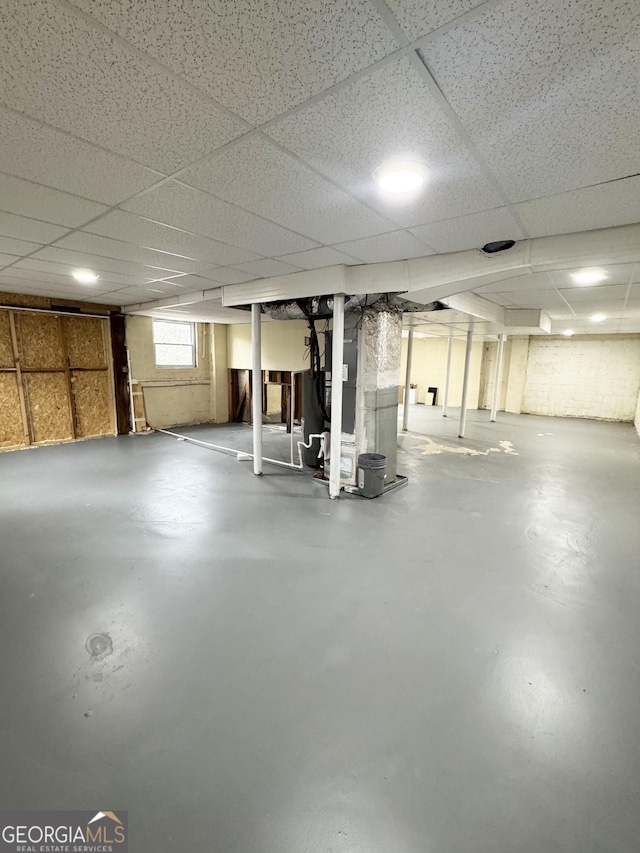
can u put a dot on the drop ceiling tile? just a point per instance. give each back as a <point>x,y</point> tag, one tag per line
<point>32,200</point>
<point>12,246</point>
<point>227,275</point>
<point>256,59</point>
<point>40,153</point>
<point>260,177</point>
<point>29,229</point>
<point>615,274</point>
<point>610,307</point>
<point>63,70</point>
<point>37,278</point>
<point>61,274</point>
<point>547,90</point>
<point>121,225</point>
<point>630,325</point>
<point>184,207</point>
<point>546,300</point>
<point>535,281</point>
<point>395,246</point>
<point>469,232</point>
<point>105,247</point>
<point>581,295</point>
<point>418,18</point>
<point>616,203</point>
<point>314,259</point>
<point>5,260</point>
<point>47,289</point>
<point>389,115</point>
<point>267,267</point>
<point>105,267</point>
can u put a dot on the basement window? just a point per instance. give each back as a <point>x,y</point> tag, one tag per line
<point>174,344</point>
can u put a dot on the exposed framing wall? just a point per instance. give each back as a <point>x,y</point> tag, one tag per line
<point>56,374</point>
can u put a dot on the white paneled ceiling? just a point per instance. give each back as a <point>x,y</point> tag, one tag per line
<point>174,147</point>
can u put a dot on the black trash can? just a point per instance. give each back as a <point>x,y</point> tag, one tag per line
<point>372,468</point>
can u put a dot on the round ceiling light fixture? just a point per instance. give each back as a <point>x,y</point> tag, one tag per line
<point>568,333</point>
<point>588,277</point>
<point>598,318</point>
<point>85,276</point>
<point>402,177</point>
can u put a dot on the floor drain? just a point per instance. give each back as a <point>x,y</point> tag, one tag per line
<point>99,645</point>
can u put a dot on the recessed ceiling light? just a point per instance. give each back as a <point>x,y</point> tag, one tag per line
<point>584,278</point>
<point>568,332</point>
<point>85,276</point>
<point>400,177</point>
<point>598,318</point>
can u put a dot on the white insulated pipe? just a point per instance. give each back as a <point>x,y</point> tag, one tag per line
<point>497,382</point>
<point>256,381</point>
<point>447,376</point>
<point>465,385</point>
<point>337,357</point>
<point>407,382</point>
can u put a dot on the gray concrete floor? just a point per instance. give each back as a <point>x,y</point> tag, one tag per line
<point>452,668</point>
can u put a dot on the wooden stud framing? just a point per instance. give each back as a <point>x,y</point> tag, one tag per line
<point>16,360</point>
<point>67,373</point>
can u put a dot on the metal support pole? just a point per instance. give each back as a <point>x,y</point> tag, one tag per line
<point>337,357</point>
<point>292,411</point>
<point>407,382</point>
<point>497,382</point>
<point>256,382</point>
<point>447,375</point>
<point>465,385</point>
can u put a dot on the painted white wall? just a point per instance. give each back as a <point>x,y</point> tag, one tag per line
<point>637,418</point>
<point>591,376</point>
<point>283,346</point>
<point>428,369</point>
<point>180,395</point>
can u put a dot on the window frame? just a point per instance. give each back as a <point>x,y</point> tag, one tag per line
<point>193,345</point>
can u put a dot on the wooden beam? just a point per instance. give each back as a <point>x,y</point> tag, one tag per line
<point>21,394</point>
<point>108,354</point>
<point>67,373</point>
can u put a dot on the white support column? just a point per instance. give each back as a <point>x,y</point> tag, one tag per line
<point>465,385</point>
<point>497,382</point>
<point>256,389</point>
<point>407,382</point>
<point>292,412</point>
<point>447,375</point>
<point>337,357</point>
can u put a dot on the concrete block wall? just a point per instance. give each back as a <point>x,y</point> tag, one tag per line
<point>591,376</point>
<point>429,364</point>
<point>180,395</point>
<point>283,346</point>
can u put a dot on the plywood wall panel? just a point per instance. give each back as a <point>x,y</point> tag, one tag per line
<point>48,406</point>
<point>40,341</point>
<point>6,350</point>
<point>91,395</point>
<point>85,342</point>
<point>11,434</point>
